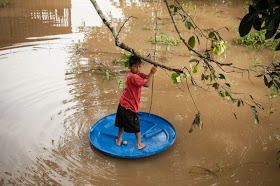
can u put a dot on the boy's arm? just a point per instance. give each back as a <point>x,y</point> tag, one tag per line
<point>150,76</point>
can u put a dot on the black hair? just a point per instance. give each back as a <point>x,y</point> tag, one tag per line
<point>134,60</point>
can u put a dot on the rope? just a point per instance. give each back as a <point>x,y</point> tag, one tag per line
<point>155,49</point>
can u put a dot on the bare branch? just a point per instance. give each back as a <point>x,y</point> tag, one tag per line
<point>124,23</point>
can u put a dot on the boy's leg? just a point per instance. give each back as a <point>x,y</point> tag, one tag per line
<point>139,144</point>
<point>119,140</point>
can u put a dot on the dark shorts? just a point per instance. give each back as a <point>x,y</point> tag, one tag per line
<point>127,119</point>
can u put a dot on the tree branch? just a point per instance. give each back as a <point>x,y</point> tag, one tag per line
<point>204,58</point>
<point>122,45</point>
<point>124,24</point>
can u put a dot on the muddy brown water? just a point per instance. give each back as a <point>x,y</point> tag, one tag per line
<point>51,94</point>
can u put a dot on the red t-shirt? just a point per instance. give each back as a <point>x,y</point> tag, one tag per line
<point>130,98</point>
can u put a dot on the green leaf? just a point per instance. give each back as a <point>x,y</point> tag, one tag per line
<point>219,47</point>
<point>229,95</point>
<point>259,105</point>
<point>215,85</point>
<point>121,82</point>
<point>272,95</point>
<point>272,24</point>
<point>261,4</point>
<point>107,75</point>
<point>255,114</point>
<point>171,6</point>
<point>276,85</point>
<point>176,78</point>
<point>211,78</point>
<point>197,39</point>
<point>191,41</point>
<point>246,24</point>
<point>270,84</point>
<point>251,97</point>
<point>188,25</point>
<point>234,115</point>
<point>193,60</point>
<point>220,168</point>
<point>219,36</point>
<point>227,84</point>
<point>214,75</point>
<point>207,55</point>
<point>202,76</point>
<point>265,80</point>
<point>211,35</point>
<point>195,122</point>
<point>277,47</point>
<point>222,93</point>
<point>184,18</point>
<point>197,31</point>
<point>195,69</point>
<point>126,63</point>
<point>252,10</point>
<point>222,76</point>
<point>257,23</point>
<point>277,36</point>
<point>127,55</point>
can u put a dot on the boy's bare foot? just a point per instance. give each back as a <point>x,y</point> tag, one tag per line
<point>118,142</point>
<point>141,146</point>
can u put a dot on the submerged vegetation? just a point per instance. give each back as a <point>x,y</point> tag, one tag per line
<point>77,47</point>
<point>4,2</point>
<point>108,75</point>
<point>256,40</point>
<point>165,39</point>
<point>221,167</point>
<point>125,59</point>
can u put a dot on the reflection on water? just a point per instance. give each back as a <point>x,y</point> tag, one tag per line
<point>56,17</point>
<point>23,19</point>
<point>51,94</point>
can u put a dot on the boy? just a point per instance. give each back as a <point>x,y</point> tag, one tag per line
<point>127,114</point>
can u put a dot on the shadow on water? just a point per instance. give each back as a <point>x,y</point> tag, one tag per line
<point>52,93</point>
